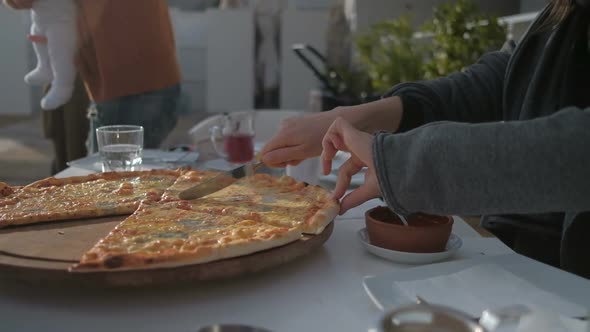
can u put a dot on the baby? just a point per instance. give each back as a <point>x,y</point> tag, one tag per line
<point>55,20</point>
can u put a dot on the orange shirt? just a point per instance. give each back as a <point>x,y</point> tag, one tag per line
<point>126,47</point>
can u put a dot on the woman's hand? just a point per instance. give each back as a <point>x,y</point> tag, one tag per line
<point>297,139</point>
<point>300,138</point>
<point>341,136</point>
<point>19,4</point>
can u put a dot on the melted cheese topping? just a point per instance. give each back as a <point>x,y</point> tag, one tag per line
<point>281,202</point>
<point>252,209</point>
<point>168,229</point>
<point>186,181</point>
<point>103,197</point>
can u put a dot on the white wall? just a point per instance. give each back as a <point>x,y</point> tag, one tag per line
<point>300,26</point>
<point>230,60</point>
<point>15,95</point>
<point>190,30</point>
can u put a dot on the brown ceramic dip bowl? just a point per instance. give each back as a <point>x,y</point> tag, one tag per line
<point>424,233</point>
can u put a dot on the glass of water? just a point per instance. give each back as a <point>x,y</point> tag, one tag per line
<point>120,147</point>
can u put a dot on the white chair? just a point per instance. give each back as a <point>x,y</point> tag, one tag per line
<point>266,123</point>
<point>200,132</point>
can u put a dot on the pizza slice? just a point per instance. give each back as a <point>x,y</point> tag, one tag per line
<point>94,195</point>
<point>188,180</point>
<point>175,233</point>
<point>282,202</point>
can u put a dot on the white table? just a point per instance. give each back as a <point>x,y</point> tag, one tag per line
<point>320,292</point>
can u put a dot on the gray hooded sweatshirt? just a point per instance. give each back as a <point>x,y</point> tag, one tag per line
<point>507,138</point>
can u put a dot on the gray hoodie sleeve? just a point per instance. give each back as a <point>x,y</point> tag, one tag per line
<point>473,95</point>
<point>459,168</point>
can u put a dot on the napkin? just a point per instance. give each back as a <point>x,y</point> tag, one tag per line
<point>486,286</point>
<point>541,320</point>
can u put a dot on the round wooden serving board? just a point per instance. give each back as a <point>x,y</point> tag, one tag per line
<point>42,254</point>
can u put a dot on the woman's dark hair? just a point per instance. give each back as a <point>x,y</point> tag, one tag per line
<point>559,11</point>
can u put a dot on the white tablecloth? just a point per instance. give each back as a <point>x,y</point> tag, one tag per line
<point>320,292</point>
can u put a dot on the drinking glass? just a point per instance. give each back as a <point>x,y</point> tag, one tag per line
<point>120,147</point>
<point>234,141</point>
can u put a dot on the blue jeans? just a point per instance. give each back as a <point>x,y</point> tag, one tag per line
<point>156,111</point>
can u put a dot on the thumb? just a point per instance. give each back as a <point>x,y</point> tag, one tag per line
<point>356,198</point>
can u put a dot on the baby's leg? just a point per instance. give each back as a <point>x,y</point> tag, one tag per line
<point>62,43</point>
<point>42,73</point>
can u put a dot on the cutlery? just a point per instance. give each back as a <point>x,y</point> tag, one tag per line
<point>220,181</point>
<point>232,328</point>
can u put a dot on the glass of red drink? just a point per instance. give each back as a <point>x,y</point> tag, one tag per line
<point>234,141</point>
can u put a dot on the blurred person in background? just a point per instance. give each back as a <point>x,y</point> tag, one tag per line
<point>127,61</point>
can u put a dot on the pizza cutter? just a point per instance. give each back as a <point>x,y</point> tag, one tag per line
<point>220,181</point>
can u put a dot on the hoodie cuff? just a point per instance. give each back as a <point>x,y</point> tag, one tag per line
<point>385,172</point>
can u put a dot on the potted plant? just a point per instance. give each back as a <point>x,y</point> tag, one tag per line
<point>389,54</point>
<point>456,37</point>
<point>460,36</point>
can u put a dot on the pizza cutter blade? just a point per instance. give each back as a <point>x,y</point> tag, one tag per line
<point>220,181</point>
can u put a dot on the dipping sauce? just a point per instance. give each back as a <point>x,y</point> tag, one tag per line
<point>416,220</point>
<point>424,233</point>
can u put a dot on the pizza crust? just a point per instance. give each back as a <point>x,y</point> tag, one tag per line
<point>6,190</point>
<point>52,181</point>
<point>322,218</point>
<point>201,254</point>
<point>86,213</point>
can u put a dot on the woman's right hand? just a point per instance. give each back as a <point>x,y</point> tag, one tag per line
<point>298,138</point>
<point>301,137</point>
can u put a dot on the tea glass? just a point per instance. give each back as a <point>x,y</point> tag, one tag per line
<point>234,141</point>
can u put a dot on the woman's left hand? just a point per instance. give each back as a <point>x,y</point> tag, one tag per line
<point>341,136</point>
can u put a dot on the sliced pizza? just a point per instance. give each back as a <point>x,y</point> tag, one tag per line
<point>280,201</point>
<point>253,214</point>
<point>189,179</point>
<point>94,195</point>
<point>174,234</point>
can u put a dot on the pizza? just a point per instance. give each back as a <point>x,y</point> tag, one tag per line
<point>276,201</point>
<point>173,234</point>
<point>250,215</point>
<point>188,179</point>
<point>94,195</point>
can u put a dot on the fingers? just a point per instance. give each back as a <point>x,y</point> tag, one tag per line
<point>332,142</point>
<point>330,145</point>
<point>345,173</point>
<point>356,198</point>
<point>274,143</point>
<point>283,156</point>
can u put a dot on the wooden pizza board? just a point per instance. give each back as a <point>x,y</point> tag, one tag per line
<point>42,253</point>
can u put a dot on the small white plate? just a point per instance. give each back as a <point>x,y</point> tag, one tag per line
<point>453,245</point>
